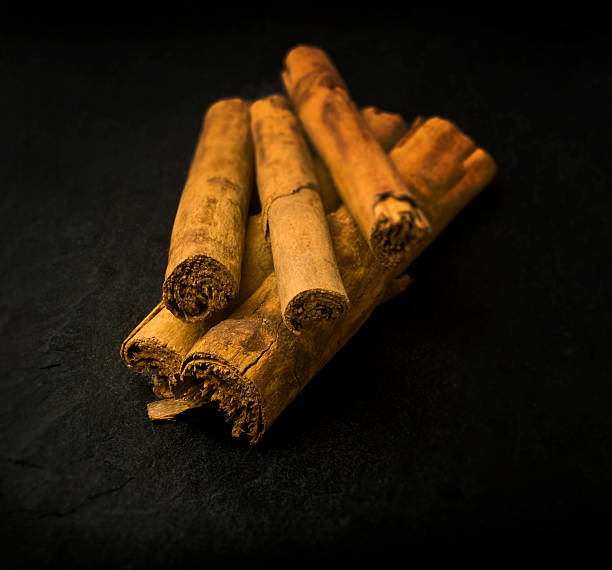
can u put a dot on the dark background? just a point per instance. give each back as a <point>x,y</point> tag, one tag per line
<point>469,415</point>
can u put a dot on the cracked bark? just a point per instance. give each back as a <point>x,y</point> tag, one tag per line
<point>448,172</point>
<point>160,342</point>
<point>309,284</point>
<point>207,244</point>
<point>361,170</point>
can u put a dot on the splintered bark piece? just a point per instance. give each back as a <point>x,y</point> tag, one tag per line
<point>309,284</point>
<point>386,211</point>
<point>207,243</point>
<point>253,367</point>
<point>160,343</point>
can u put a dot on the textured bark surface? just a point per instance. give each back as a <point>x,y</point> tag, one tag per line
<point>207,244</point>
<point>386,211</point>
<point>309,283</point>
<point>257,261</point>
<point>387,128</point>
<point>159,344</point>
<point>253,367</point>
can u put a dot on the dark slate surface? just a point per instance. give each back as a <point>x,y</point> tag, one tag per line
<point>471,411</point>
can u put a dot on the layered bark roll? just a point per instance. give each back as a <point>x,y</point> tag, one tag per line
<point>253,367</point>
<point>207,243</point>
<point>159,344</point>
<point>386,211</point>
<point>309,284</point>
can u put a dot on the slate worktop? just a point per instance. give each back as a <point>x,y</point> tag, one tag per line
<point>473,408</point>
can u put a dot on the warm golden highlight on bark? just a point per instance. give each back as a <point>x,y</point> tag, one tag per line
<point>388,128</point>
<point>309,284</point>
<point>207,244</point>
<point>386,211</point>
<point>253,366</point>
<point>160,343</point>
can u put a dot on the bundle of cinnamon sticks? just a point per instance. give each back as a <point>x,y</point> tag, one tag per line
<point>253,306</point>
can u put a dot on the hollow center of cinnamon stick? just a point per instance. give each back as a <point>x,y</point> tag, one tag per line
<point>197,287</point>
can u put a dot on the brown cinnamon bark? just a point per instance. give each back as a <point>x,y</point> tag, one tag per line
<point>388,128</point>
<point>257,261</point>
<point>385,209</point>
<point>160,343</point>
<point>207,244</point>
<point>309,284</point>
<point>252,366</point>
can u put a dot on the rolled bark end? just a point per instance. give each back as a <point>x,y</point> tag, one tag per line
<point>198,287</point>
<point>399,225</point>
<point>236,398</point>
<point>313,306</point>
<point>309,282</point>
<point>162,364</point>
<point>147,356</point>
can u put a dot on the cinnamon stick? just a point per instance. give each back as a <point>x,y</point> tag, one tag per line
<point>309,284</point>
<point>207,243</point>
<point>252,366</point>
<point>159,344</point>
<point>385,209</point>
